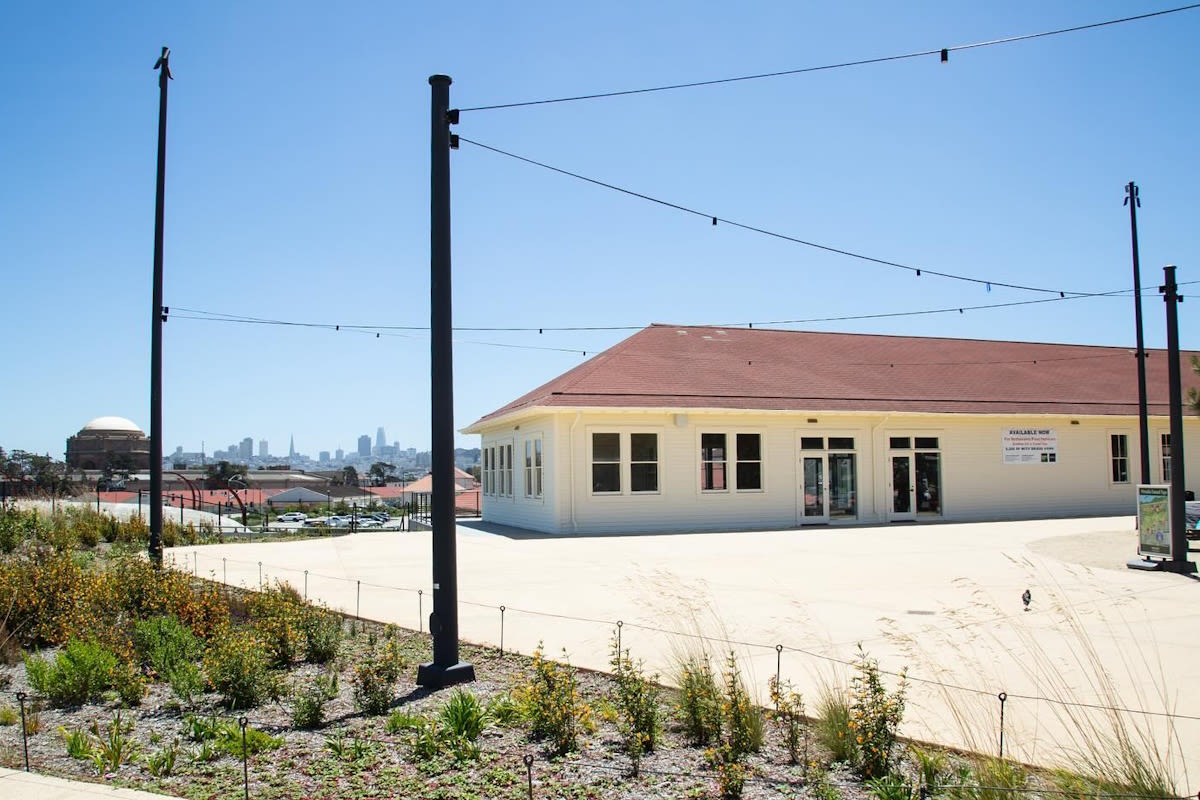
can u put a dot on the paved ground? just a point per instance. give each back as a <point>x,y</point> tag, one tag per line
<point>942,600</point>
<point>16,785</point>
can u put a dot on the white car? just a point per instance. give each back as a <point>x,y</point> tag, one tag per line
<point>369,522</point>
<point>292,516</point>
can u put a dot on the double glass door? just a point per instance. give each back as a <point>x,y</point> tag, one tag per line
<point>916,485</point>
<point>828,487</point>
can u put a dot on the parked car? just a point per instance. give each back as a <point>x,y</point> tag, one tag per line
<point>292,516</point>
<point>338,522</point>
<point>369,522</point>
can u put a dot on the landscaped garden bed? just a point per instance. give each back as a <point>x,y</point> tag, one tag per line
<point>138,677</point>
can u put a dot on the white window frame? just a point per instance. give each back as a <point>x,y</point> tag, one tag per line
<point>533,468</point>
<point>489,466</point>
<point>702,461</point>
<point>761,461</point>
<point>506,468</point>
<point>624,464</point>
<point>731,460</point>
<point>1111,460</point>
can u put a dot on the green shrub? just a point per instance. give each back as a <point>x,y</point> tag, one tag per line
<point>743,720</point>
<point>161,763</point>
<point>278,614</point>
<point>375,679</point>
<point>789,713</point>
<point>163,643</point>
<point>322,632</point>
<point>8,716</point>
<point>308,706</point>
<point>504,711</point>
<point>891,787</point>
<point>875,716</point>
<point>637,705</point>
<point>993,779</point>
<point>463,715</point>
<point>115,746</point>
<point>81,671</point>
<point>238,666</point>
<point>79,743</point>
<point>229,740</point>
<point>401,720</point>
<point>699,699</point>
<point>550,702</point>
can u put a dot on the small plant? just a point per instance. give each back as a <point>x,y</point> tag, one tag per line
<point>551,704</point>
<point>79,743</point>
<point>699,700</point>
<point>81,671</point>
<point>463,715</point>
<point>308,707</point>
<point>637,705</point>
<point>993,779</point>
<point>115,746</point>
<point>279,616</point>
<point>789,713</point>
<point>875,716</point>
<point>375,680</point>
<point>205,753</point>
<point>890,787</point>
<point>932,767</point>
<point>238,666</point>
<point>161,763</point>
<point>731,772</point>
<point>425,743</point>
<point>401,720</point>
<point>743,719</point>
<point>229,740</point>
<point>504,711</point>
<point>322,632</point>
<point>833,724</point>
<point>8,716</point>
<point>163,643</point>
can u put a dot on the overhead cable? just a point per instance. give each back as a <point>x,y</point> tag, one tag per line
<point>942,52</point>
<point>918,271</point>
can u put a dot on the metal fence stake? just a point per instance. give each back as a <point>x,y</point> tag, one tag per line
<point>195,563</point>
<point>24,730</point>
<point>1002,697</point>
<point>245,761</point>
<point>528,759</point>
<point>306,585</point>
<point>501,630</point>
<point>260,576</point>
<point>778,673</point>
<point>420,612</point>
<point>620,625</point>
<point>224,572</point>
<point>358,599</point>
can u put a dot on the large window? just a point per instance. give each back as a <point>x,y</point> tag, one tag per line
<point>643,462</point>
<point>1119,450</point>
<point>489,470</point>
<point>712,462</point>
<point>749,462</point>
<point>533,468</point>
<point>606,462</point>
<point>1165,443</point>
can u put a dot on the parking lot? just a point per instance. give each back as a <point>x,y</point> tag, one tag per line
<point>943,601</point>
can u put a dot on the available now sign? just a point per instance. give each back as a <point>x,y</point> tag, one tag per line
<point>1030,446</point>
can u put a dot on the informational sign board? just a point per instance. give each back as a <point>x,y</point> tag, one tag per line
<point>1030,446</point>
<point>1154,521</point>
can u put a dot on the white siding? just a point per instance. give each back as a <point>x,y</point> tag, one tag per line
<point>975,482</point>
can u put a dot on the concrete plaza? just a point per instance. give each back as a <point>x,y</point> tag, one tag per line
<point>942,600</point>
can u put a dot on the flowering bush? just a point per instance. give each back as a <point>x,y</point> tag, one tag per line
<point>550,702</point>
<point>875,716</point>
<point>238,666</point>
<point>637,703</point>
<point>789,713</point>
<point>699,700</point>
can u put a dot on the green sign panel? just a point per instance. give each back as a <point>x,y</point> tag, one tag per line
<point>1154,521</point>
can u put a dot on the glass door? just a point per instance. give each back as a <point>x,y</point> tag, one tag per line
<point>814,489</point>
<point>902,488</point>
<point>929,483</point>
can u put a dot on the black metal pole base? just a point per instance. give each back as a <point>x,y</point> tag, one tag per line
<point>433,676</point>
<point>1149,565</point>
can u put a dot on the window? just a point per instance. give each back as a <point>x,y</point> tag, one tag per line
<point>812,443</point>
<point>1119,448</point>
<point>489,470</point>
<point>899,443</point>
<point>606,462</point>
<point>926,442</point>
<point>643,462</point>
<point>500,473</point>
<point>841,442</point>
<point>712,462</point>
<point>506,468</point>
<point>533,468</point>
<point>749,462</point>
<point>1165,442</point>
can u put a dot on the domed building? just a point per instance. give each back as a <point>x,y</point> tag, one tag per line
<point>109,442</point>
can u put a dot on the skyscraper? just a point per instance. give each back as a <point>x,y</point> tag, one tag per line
<point>380,439</point>
<point>246,450</point>
<point>292,446</point>
<point>364,446</point>
<point>263,452</point>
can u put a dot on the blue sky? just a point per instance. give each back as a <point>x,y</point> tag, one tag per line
<point>298,175</point>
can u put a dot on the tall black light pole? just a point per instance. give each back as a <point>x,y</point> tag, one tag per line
<point>1179,545</point>
<point>157,313</point>
<point>445,669</point>
<point>1135,202</point>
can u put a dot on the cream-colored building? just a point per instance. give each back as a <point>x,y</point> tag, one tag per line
<point>684,428</point>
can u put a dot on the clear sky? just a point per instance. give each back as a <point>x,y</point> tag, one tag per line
<point>298,186</point>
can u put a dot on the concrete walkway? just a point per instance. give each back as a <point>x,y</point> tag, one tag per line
<point>16,785</point>
<point>942,600</point>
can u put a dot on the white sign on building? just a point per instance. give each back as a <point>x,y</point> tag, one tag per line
<point>1030,446</point>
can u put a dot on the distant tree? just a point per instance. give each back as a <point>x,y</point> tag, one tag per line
<point>474,470</point>
<point>216,476</point>
<point>33,473</point>
<point>350,476</point>
<point>380,471</point>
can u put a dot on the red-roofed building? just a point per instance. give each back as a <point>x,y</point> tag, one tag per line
<point>690,428</point>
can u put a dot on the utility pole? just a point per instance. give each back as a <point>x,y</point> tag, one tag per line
<point>1134,202</point>
<point>445,669</point>
<point>1179,546</point>
<point>157,315</point>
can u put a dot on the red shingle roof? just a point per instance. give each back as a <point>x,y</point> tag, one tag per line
<point>666,366</point>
